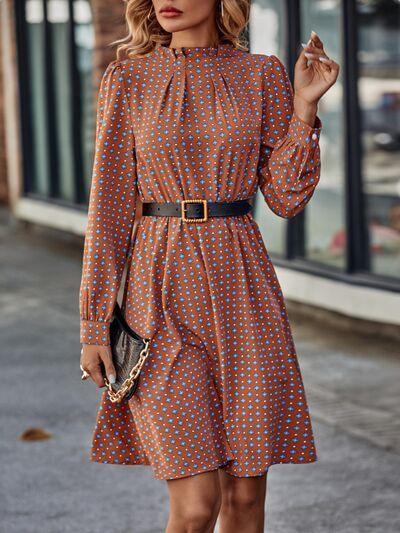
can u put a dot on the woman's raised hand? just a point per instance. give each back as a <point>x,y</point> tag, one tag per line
<point>92,358</point>
<point>314,72</point>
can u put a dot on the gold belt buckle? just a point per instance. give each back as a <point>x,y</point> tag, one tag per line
<point>183,210</point>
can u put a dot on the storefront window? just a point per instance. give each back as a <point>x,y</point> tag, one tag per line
<point>58,20</point>
<point>38,175</point>
<point>379,97</point>
<point>267,36</point>
<point>59,111</point>
<point>325,225</point>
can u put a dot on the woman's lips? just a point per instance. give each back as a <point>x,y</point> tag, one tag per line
<point>170,13</point>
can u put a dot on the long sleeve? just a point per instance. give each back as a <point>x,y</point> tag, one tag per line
<point>289,164</point>
<point>111,212</point>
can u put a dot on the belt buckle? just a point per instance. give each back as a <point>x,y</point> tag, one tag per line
<point>196,219</point>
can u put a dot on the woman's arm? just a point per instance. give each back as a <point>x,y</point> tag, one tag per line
<point>111,211</point>
<point>289,164</point>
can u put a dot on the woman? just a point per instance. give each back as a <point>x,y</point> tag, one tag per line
<point>186,112</point>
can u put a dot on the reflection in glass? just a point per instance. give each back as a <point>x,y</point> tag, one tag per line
<point>39,172</point>
<point>325,225</point>
<point>58,19</point>
<point>379,96</point>
<point>267,36</point>
<point>67,82</point>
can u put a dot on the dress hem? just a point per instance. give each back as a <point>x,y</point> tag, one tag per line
<point>211,467</point>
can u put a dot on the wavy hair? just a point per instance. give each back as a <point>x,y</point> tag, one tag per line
<point>145,32</point>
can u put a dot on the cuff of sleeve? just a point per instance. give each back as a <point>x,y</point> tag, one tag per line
<point>93,332</point>
<point>301,132</point>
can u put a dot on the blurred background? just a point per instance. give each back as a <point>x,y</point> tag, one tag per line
<point>338,263</point>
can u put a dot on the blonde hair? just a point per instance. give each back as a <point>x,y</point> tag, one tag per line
<point>145,32</point>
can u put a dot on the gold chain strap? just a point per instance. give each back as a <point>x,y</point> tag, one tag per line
<point>126,385</point>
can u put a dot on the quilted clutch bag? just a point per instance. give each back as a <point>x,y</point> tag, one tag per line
<point>129,352</point>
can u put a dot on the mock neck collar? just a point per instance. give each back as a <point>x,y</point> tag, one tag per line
<point>220,50</point>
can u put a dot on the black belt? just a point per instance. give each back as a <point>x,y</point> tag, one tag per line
<point>197,210</point>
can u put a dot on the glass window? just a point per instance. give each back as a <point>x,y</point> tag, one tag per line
<point>267,36</point>
<point>38,174</point>
<point>59,21</point>
<point>325,224</point>
<point>58,87</point>
<point>379,97</point>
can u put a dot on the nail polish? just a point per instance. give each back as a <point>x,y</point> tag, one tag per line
<point>324,59</point>
<point>111,378</point>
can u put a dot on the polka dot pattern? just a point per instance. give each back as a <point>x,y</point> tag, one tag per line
<point>222,385</point>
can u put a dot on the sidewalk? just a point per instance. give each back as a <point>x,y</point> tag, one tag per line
<point>49,486</point>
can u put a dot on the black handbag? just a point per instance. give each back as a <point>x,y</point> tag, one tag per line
<point>129,352</point>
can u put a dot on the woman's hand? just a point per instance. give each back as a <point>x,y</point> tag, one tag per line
<point>312,80</point>
<point>92,357</point>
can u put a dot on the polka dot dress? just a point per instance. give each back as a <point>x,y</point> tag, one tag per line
<point>222,385</point>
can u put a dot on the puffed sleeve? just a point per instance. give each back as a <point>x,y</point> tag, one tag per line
<point>111,211</point>
<point>289,164</point>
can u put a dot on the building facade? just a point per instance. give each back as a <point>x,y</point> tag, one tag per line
<point>342,252</point>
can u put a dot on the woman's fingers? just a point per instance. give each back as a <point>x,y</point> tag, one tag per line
<point>314,45</point>
<point>333,71</point>
<point>302,59</point>
<point>106,357</point>
<point>91,362</point>
<point>316,40</point>
<point>316,71</point>
<point>314,51</point>
<point>96,374</point>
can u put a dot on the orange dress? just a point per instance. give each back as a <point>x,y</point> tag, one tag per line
<point>222,385</point>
